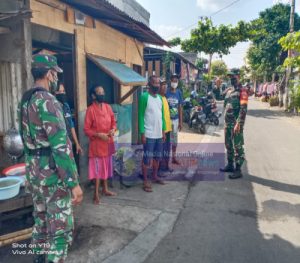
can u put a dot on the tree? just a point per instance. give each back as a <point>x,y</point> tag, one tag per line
<point>175,42</point>
<point>265,54</point>
<point>292,42</point>
<point>219,68</point>
<point>211,39</point>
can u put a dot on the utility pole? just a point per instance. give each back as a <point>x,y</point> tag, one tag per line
<point>289,68</point>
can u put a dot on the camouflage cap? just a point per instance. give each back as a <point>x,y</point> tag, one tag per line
<point>46,62</point>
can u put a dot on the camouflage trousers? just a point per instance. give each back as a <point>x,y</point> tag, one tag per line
<point>53,216</point>
<point>234,144</point>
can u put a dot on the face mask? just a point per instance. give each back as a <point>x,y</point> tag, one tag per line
<point>100,98</point>
<point>174,85</point>
<point>53,85</point>
<point>154,89</point>
<point>62,98</point>
<point>234,82</point>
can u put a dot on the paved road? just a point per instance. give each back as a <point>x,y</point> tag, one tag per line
<point>256,219</point>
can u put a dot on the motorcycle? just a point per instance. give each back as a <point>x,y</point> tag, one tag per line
<point>187,108</point>
<point>211,111</point>
<point>197,120</point>
<point>212,114</point>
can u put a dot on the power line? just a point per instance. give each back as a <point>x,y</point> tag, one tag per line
<point>213,14</point>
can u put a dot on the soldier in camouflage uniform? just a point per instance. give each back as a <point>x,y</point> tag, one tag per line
<point>235,105</point>
<point>50,167</point>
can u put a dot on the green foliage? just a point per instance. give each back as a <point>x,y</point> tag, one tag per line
<point>211,39</point>
<point>219,68</point>
<point>291,41</point>
<point>201,62</point>
<point>175,42</point>
<point>265,54</point>
<point>295,94</point>
<point>167,59</point>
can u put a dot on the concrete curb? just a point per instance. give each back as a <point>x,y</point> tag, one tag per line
<point>144,244</point>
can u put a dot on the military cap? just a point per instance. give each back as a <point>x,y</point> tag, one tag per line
<point>45,62</point>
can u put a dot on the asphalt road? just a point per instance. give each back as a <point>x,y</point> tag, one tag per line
<point>255,219</point>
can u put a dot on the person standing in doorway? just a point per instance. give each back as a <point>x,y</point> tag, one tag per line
<point>50,167</point>
<point>100,127</point>
<point>152,128</point>
<point>175,101</point>
<point>61,96</point>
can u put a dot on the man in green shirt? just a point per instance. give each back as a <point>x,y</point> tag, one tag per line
<point>152,128</point>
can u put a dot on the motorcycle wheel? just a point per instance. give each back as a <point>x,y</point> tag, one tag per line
<point>216,121</point>
<point>186,117</point>
<point>201,128</point>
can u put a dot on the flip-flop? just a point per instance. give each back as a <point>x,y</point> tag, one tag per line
<point>147,188</point>
<point>159,182</point>
<point>109,193</point>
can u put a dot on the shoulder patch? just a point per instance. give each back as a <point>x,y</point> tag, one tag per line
<point>244,97</point>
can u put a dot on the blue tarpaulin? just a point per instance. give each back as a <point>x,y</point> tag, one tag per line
<point>118,71</point>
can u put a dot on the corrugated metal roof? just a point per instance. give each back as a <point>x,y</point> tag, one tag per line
<point>117,19</point>
<point>118,71</point>
<point>133,9</point>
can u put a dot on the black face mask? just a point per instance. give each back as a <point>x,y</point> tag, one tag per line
<point>234,82</point>
<point>154,89</point>
<point>62,98</point>
<point>100,98</point>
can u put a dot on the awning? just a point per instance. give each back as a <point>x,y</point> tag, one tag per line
<point>118,71</point>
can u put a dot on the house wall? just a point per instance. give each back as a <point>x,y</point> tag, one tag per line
<point>100,40</point>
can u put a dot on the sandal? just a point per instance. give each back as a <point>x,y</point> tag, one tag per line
<point>147,188</point>
<point>158,181</point>
<point>108,193</point>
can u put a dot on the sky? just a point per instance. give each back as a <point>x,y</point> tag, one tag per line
<point>176,18</point>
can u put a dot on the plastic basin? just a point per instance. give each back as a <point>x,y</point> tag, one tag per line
<point>10,187</point>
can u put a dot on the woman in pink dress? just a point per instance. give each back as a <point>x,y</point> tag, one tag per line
<point>100,126</point>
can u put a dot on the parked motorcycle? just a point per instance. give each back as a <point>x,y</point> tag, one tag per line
<point>197,120</point>
<point>211,111</point>
<point>187,108</point>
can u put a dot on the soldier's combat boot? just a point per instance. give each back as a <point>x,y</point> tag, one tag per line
<point>237,173</point>
<point>39,259</point>
<point>229,168</point>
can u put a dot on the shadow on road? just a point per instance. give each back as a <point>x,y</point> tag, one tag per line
<point>220,223</point>
<point>278,186</point>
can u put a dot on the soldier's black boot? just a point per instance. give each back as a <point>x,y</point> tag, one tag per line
<point>229,168</point>
<point>237,173</point>
<point>39,259</point>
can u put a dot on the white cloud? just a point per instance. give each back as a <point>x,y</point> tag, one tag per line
<point>211,5</point>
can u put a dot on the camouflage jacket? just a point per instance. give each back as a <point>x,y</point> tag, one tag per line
<point>235,105</point>
<point>43,121</point>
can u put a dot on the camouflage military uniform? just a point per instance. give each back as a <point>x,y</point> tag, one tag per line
<point>235,105</point>
<point>50,182</point>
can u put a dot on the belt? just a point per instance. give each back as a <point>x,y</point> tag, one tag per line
<point>40,151</point>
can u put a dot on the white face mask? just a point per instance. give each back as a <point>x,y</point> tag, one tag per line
<point>174,85</point>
